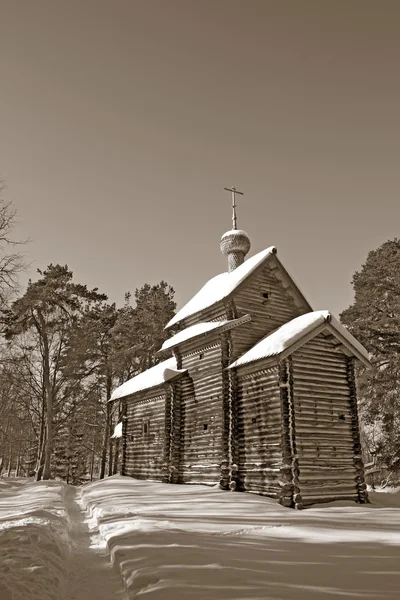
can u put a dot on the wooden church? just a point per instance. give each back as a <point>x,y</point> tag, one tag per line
<point>256,392</point>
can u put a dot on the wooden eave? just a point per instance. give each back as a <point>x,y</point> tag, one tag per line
<point>346,346</point>
<point>144,391</point>
<point>213,332</point>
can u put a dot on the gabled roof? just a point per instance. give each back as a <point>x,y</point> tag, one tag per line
<point>157,375</point>
<point>220,287</point>
<point>287,337</point>
<point>202,329</point>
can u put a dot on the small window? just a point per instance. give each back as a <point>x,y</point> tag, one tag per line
<point>201,355</point>
<point>341,417</point>
<point>265,295</point>
<point>205,426</point>
<point>254,420</point>
<point>145,427</point>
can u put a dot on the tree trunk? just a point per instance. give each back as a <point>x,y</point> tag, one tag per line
<point>105,441</point>
<point>18,466</point>
<point>18,458</point>
<point>110,455</point>
<point>9,465</point>
<point>106,428</point>
<point>49,405</point>
<point>41,437</point>
<point>92,456</point>
<point>92,465</point>
<point>116,457</point>
<point>39,469</point>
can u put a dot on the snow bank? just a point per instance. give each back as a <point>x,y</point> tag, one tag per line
<point>33,540</point>
<point>183,542</point>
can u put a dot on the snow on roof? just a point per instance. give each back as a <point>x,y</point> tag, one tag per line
<point>154,376</point>
<point>194,331</point>
<point>117,431</point>
<point>220,286</point>
<point>288,334</point>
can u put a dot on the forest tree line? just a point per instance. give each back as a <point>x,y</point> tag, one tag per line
<point>64,348</point>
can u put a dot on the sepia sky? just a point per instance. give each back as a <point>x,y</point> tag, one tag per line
<point>121,121</point>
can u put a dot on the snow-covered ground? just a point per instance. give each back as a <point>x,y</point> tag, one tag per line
<point>45,546</point>
<point>33,540</point>
<point>184,542</point>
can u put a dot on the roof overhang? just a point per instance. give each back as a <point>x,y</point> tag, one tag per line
<point>325,322</point>
<point>201,330</point>
<point>157,376</point>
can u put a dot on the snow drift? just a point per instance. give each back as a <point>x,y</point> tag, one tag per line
<point>33,540</point>
<point>176,542</point>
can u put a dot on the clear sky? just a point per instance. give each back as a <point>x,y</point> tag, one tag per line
<point>121,121</point>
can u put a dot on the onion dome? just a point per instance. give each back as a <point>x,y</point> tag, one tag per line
<point>235,244</point>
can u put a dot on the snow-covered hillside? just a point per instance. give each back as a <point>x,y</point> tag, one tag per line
<point>190,542</point>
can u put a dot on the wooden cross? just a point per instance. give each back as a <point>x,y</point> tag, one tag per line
<point>234,191</point>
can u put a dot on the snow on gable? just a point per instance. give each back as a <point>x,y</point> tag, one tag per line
<point>220,286</point>
<point>288,334</point>
<point>153,377</point>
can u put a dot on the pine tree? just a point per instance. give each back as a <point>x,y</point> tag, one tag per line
<point>42,321</point>
<point>122,343</point>
<point>374,319</point>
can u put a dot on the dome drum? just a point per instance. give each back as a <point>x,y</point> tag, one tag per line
<point>235,244</point>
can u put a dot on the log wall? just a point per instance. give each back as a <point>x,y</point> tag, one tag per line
<point>324,423</point>
<point>266,313</point>
<point>145,450</point>
<point>124,436</point>
<point>201,413</point>
<point>173,430</point>
<point>259,432</point>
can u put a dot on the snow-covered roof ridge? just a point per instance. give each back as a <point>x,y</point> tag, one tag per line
<point>221,286</point>
<point>157,375</point>
<point>290,333</point>
<point>202,329</point>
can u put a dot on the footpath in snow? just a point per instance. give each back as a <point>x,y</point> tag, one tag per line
<point>175,542</point>
<point>46,548</point>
